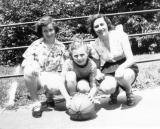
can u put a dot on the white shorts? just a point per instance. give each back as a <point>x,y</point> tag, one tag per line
<point>51,80</point>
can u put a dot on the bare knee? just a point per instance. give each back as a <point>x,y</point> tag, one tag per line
<point>31,81</point>
<point>108,85</point>
<point>29,77</point>
<point>83,86</point>
<point>28,72</point>
<point>31,69</point>
<point>19,69</point>
<point>128,77</point>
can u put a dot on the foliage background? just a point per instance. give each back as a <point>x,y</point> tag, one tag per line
<point>15,11</point>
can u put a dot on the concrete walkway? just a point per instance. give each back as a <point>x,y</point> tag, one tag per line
<point>145,114</point>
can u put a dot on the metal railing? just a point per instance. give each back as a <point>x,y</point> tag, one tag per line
<point>81,17</point>
<point>68,42</point>
<point>74,18</point>
<point>21,75</point>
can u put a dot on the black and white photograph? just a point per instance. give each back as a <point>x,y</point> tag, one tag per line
<point>79,64</point>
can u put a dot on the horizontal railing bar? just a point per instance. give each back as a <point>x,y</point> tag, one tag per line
<point>10,76</point>
<point>21,75</point>
<point>143,34</point>
<point>134,12</point>
<point>80,17</point>
<point>12,48</point>
<point>17,24</point>
<point>68,42</point>
<point>145,61</point>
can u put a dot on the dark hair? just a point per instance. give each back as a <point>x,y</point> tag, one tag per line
<point>92,19</point>
<point>44,21</point>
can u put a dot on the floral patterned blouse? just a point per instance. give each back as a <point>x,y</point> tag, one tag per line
<point>49,59</point>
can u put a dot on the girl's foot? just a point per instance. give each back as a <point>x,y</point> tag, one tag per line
<point>113,99</point>
<point>130,99</point>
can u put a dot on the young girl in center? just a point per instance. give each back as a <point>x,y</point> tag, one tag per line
<point>79,72</point>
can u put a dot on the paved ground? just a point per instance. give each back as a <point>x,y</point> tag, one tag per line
<point>145,114</point>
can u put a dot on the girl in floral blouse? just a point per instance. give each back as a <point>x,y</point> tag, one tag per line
<point>43,60</point>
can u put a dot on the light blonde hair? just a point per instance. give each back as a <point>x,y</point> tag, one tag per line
<point>76,44</point>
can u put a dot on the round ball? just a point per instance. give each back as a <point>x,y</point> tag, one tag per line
<point>81,107</point>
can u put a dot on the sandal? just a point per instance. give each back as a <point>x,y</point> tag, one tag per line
<point>130,99</point>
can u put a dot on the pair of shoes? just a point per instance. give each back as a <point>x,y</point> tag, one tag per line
<point>130,99</point>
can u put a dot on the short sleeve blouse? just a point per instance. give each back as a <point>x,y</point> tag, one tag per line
<point>49,59</point>
<point>116,39</point>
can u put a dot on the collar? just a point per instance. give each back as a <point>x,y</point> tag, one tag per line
<point>82,66</point>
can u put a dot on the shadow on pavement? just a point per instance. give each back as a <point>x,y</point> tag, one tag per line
<point>137,100</point>
<point>110,107</point>
<point>120,104</point>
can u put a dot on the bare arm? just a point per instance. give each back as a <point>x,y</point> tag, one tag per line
<point>127,51</point>
<point>63,89</point>
<point>93,54</point>
<point>92,80</point>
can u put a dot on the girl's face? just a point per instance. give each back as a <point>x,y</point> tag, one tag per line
<point>100,27</point>
<point>80,56</point>
<point>48,32</point>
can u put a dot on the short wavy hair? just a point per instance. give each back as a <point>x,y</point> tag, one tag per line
<point>92,19</point>
<point>44,21</point>
<point>77,43</point>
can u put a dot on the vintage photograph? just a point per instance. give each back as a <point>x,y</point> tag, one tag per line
<point>79,64</point>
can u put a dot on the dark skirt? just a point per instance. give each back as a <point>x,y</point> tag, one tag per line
<point>111,67</point>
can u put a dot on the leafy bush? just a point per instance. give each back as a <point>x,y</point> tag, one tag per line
<point>15,11</point>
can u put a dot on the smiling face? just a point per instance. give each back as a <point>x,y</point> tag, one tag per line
<point>80,55</point>
<point>48,32</point>
<point>100,27</point>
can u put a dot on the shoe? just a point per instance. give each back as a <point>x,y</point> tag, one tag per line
<point>50,103</point>
<point>113,99</point>
<point>37,111</point>
<point>130,99</point>
<point>45,106</point>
